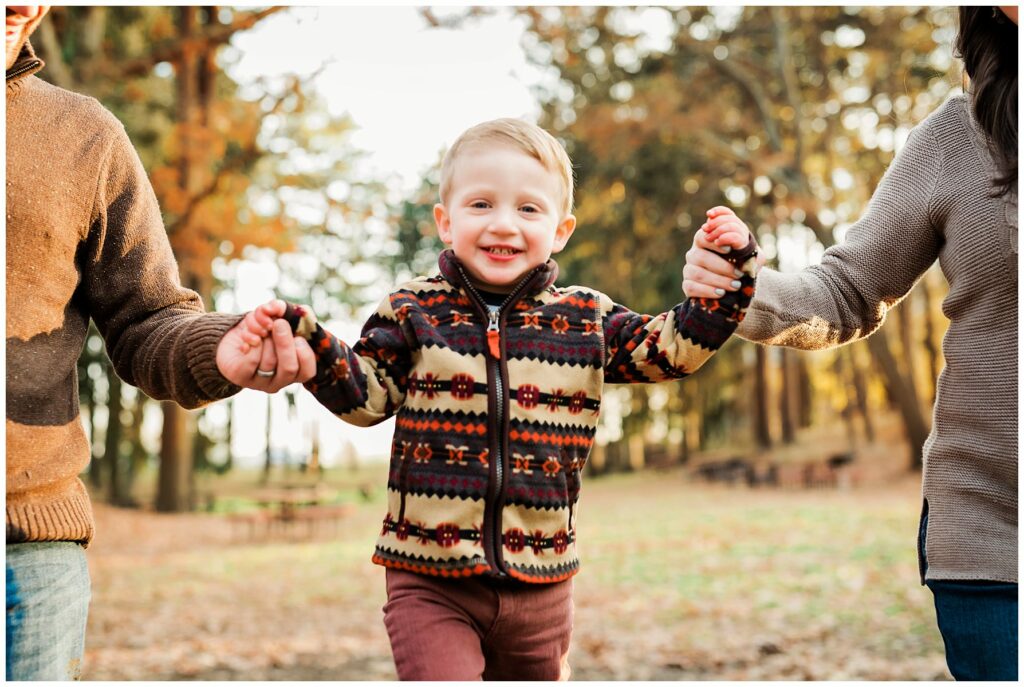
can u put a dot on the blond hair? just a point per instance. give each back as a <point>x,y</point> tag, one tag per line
<point>523,136</point>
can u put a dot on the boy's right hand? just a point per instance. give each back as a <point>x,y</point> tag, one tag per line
<point>262,353</point>
<point>259,322</point>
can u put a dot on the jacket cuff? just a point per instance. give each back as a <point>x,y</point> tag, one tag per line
<point>201,344</point>
<point>741,255</point>
<point>744,259</point>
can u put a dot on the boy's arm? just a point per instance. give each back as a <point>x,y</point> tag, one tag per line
<point>642,348</point>
<point>363,384</point>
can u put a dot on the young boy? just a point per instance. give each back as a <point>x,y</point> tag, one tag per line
<point>495,376</point>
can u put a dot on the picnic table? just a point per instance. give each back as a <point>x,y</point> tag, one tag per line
<point>285,508</point>
<point>286,501</point>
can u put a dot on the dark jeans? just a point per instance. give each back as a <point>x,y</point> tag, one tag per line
<point>978,622</point>
<point>977,619</point>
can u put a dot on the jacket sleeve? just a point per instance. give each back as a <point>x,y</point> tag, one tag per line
<point>363,384</point>
<point>156,333</point>
<point>644,348</point>
<point>884,253</point>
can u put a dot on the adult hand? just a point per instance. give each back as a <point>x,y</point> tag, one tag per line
<point>706,270</point>
<point>263,343</point>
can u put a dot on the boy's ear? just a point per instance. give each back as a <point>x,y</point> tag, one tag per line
<point>444,224</point>
<point>563,231</point>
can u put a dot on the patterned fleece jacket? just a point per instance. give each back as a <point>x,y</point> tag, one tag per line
<point>496,411</point>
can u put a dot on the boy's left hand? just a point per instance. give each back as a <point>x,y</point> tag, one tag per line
<point>725,230</point>
<point>706,273</point>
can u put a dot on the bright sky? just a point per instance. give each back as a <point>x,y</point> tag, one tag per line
<point>410,89</point>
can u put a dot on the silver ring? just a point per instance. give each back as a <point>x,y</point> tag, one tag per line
<point>265,373</point>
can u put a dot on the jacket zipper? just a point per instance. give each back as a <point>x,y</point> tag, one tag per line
<point>496,425</point>
<point>21,70</point>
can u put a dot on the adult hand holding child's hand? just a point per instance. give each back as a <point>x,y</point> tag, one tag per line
<point>706,273</point>
<point>260,352</point>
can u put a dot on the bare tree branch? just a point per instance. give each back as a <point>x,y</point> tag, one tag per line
<point>747,82</point>
<point>780,28</point>
<point>454,22</point>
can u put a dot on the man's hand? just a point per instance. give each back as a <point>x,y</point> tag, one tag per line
<point>706,274</point>
<point>261,353</point>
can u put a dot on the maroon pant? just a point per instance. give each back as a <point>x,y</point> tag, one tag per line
<point>477,628</point>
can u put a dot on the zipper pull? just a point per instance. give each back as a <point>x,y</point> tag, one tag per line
<point>494,336</point>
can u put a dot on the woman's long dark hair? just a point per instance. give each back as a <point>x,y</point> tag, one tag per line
<point>987,43</point>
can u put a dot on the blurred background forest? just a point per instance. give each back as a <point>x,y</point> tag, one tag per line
<point>790,115</point>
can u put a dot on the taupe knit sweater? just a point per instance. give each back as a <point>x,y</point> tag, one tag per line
<point>934,202</point>
<point>84,239</point>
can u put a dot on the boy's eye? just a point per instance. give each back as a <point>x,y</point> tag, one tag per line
<point>530,208</point>
<point>479,204</point>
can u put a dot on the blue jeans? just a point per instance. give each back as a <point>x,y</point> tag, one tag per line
<point>47,605</point>
<point>978,622</point>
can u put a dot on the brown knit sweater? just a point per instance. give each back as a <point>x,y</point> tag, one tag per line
<point>84,239</point>
<point>934,202</point>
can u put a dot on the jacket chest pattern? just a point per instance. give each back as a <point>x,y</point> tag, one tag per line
<point>510,447</point>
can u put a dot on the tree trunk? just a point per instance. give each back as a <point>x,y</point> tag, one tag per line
<point>56,68</point>
<point>860,387</point>
<point>805,396</point>
<point>268,461</point>
<point>598,460</point>
<point>313,465</point>
<point>137,457</point>
<point>229,462</point>
<point>840,366</point>
<point>176,448</point>
<point>200,447</point>
<point>112,444</point>
<point>905,320</point>
<point>87,390</point>
<point>175,461</point>
<point>903,394</point>
<point>762,426</point>
<point>789,403</point>
<point>636,452</point>
<point>94,28</point>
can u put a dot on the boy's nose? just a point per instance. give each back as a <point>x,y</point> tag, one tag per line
<point>502,221</point>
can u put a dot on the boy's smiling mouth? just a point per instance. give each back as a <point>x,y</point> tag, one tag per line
<point>501,251</point>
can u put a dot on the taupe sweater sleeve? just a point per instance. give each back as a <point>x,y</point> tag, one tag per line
<point>157,335</point>
<point>884,253</point>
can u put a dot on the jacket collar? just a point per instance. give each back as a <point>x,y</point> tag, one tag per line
<point>26,65</point>
<point>535,281</point>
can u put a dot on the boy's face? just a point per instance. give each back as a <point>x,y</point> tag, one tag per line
<point>503,215</point>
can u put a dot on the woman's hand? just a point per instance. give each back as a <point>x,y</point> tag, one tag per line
<point>706,273</point>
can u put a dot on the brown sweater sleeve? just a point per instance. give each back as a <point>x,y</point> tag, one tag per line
<point>157,335</point>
